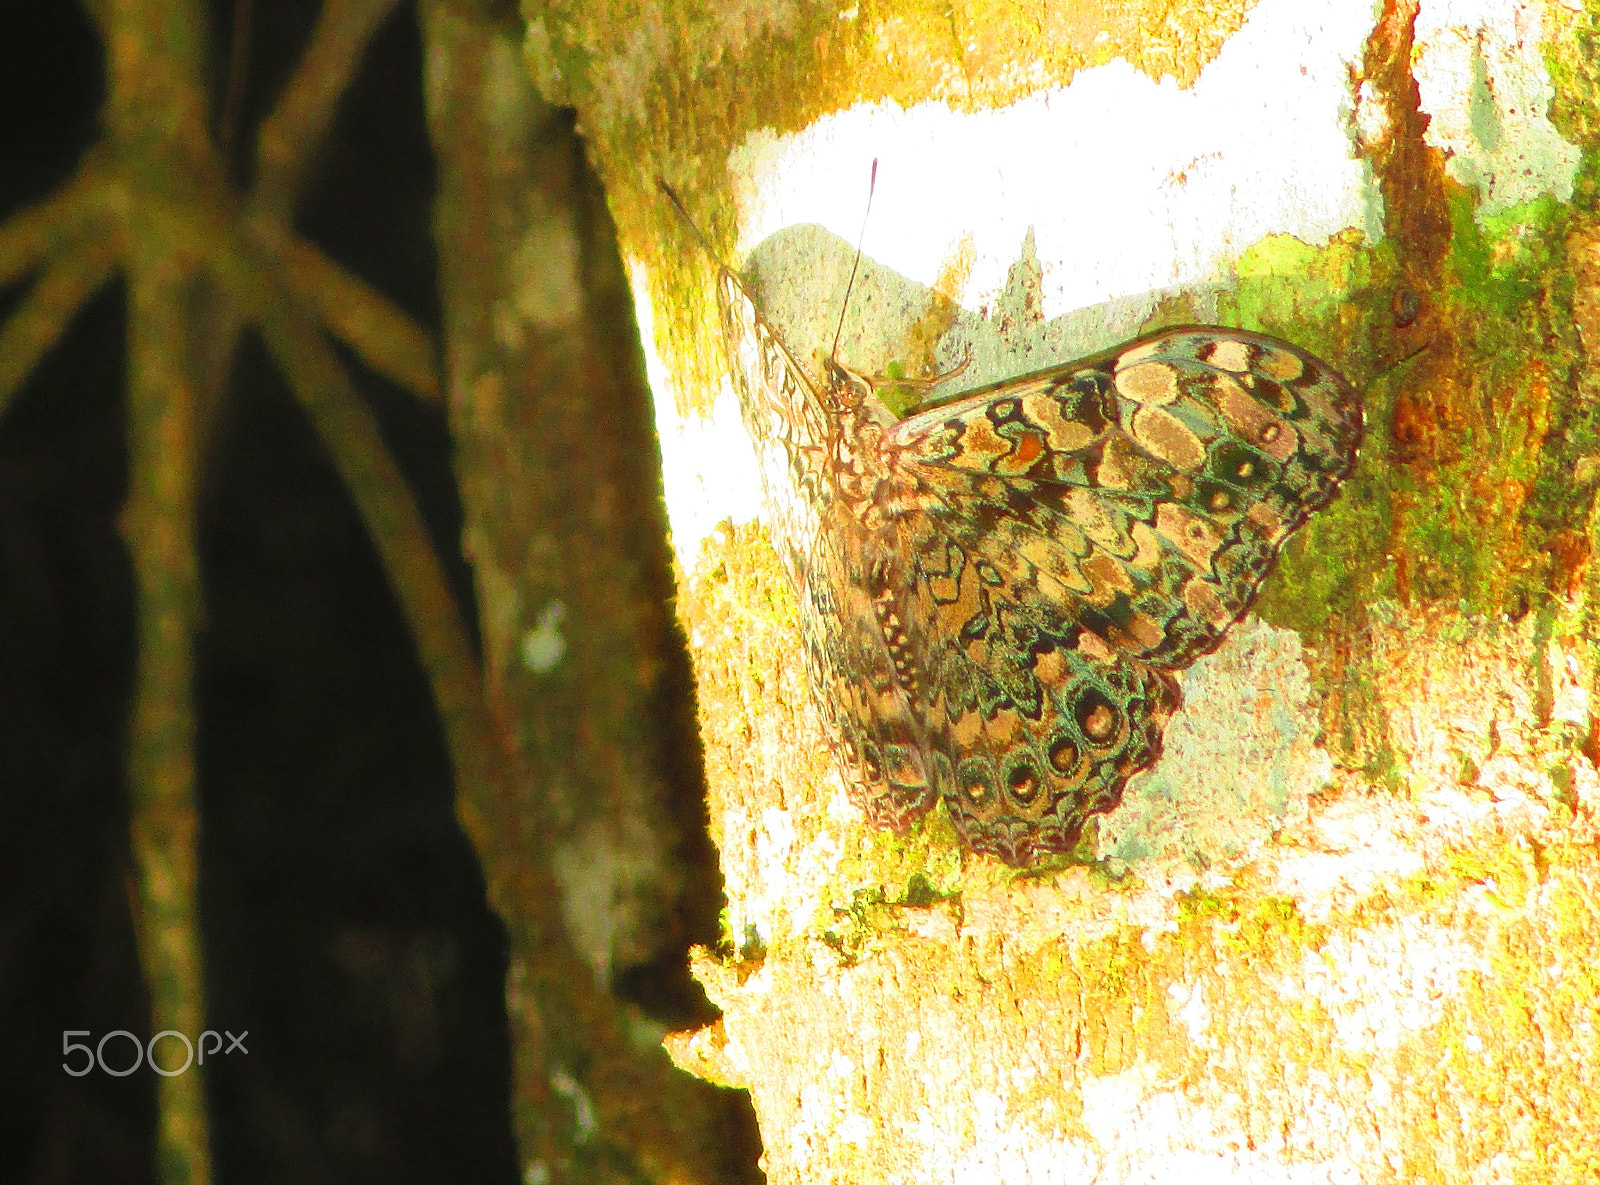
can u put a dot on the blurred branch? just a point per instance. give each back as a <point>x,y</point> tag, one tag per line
<point>153,199</point>
<point>290,137</point>
<point>159,524</point>
<point>31,236</point>
<point>381,335</point>
<point>73,275</point>
<point>155,118</point>
<point>350,431</point>
<point>556,462</point>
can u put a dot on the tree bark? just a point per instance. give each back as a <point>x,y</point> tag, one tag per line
<point>1337,930</point>
<point>551,426</point>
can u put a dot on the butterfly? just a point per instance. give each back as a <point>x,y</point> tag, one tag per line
<point>997,592</point>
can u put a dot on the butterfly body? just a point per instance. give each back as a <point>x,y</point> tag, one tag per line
<point>997,592</point>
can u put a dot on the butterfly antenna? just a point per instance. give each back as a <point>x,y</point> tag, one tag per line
<point>861,238</point>
<point>694,229</point>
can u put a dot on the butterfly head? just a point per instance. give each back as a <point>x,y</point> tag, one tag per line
<point>843,390</point>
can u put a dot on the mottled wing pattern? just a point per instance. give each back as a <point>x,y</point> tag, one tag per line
<point>850,662</point>
<point>1147,490</point>
<point>785,418</point>
<point>861,677</point>
<point>1073,537</point>
<point>995,594</point>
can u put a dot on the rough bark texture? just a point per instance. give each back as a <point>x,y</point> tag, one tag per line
<point>1350,949</point>
<point>556,468</point>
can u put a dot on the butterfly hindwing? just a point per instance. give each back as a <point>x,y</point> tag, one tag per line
<point>1081,533</point>
<point>1034,724</point>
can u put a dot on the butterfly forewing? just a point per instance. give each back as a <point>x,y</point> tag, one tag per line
<point>856,660</point>
<point>1190,456</point>
<point>785,420</point>
<point>996,592</point>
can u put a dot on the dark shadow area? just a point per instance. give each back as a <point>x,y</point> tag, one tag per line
<point>345,926</point>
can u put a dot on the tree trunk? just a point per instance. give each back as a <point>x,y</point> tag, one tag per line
<point>1340,927</point>
<point>553,448</point>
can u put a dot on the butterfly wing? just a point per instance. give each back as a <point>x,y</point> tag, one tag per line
<point>785,418</point>
<point>1073,537</point>
<point>858,677</point>
<point>1147,490</point>
<point>995,609</point>
<point>1033,723</point>
<point>863,675</point>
